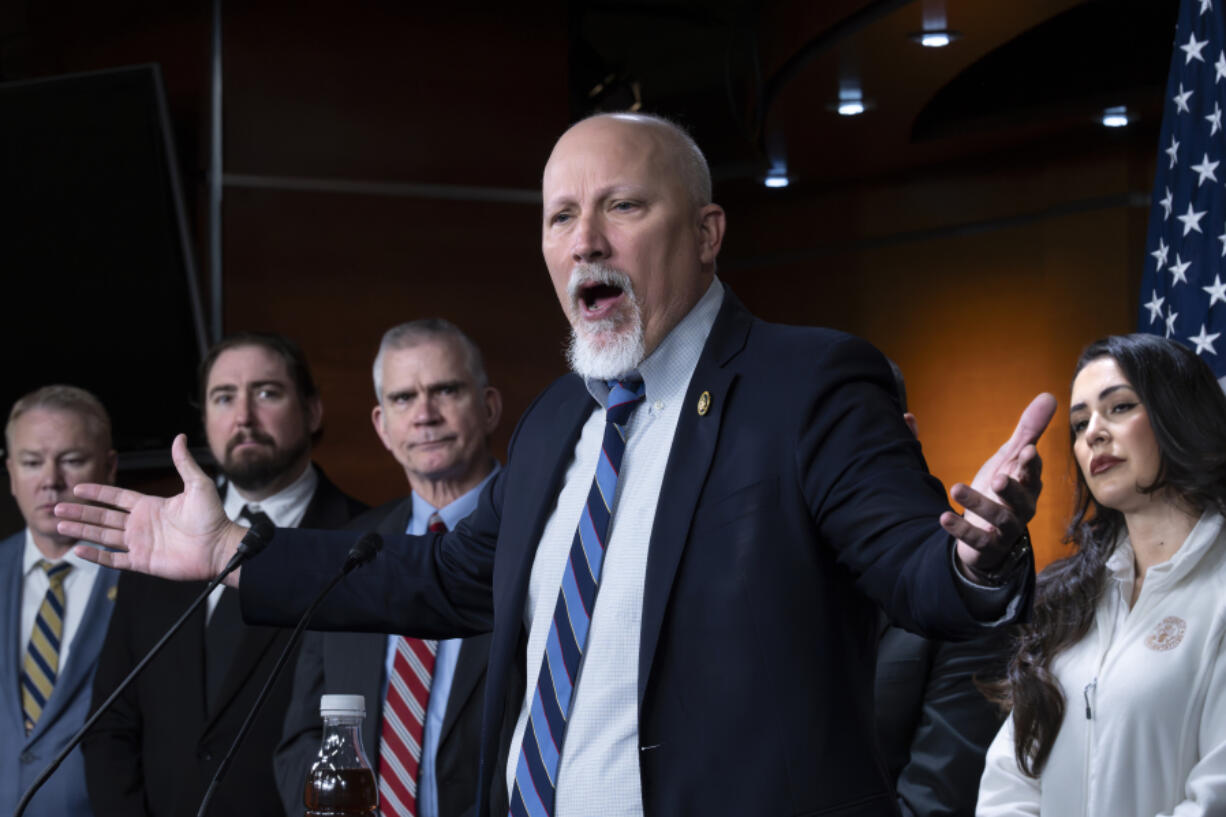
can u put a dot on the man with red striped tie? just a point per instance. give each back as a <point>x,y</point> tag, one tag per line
<point>435,413</point>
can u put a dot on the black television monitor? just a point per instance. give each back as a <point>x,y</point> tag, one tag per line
<point>99,283</point>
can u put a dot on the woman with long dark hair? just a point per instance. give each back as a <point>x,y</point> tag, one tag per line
<point>1118,686</point>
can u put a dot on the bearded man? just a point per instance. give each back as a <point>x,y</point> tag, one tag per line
<point>156,750</point>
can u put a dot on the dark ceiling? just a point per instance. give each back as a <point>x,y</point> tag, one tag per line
<point>756,81</point>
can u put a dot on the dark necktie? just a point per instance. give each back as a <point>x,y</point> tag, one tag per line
<point>224,628</point>
<point>536,773</point>
<point>404,717</point>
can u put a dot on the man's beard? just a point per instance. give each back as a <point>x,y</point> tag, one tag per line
<point>256,470</point>
<point>608,348</point>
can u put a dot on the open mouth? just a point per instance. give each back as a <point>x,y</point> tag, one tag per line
<point>597,300</point>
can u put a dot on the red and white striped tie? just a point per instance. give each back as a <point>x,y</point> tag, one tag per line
<point>404,719</point>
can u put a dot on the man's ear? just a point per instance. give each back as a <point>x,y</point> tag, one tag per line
<point>711,224</point>
<point>493,408</point>
<point>112,466</point>
<point>376,419</point>
<point>315,414</point>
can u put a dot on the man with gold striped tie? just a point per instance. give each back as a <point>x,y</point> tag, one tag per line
<point>56,603</point>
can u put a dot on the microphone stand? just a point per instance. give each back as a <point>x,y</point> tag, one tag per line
<point>363,551</point>
<point>255,540</point>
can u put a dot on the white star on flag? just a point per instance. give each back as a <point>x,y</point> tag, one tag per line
<point>1192,49</point>
<point>1185,286</point>
<point>1181,100</point>
<point>1191,219</point>
<point>1179,270</point>
<point>1155,307</point>
<point>1206,170</point>
<point>1217,291</point>
<point>1204,341</point>
<point>1160,254</point>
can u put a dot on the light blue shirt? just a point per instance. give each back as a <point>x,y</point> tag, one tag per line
<point>446,657</point>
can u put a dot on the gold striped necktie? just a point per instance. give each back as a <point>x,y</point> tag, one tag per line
<point>42,662</point>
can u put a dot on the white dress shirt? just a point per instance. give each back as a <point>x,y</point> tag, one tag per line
<point>599,768</point>
<point>78,584</point>
<point>285,509</point>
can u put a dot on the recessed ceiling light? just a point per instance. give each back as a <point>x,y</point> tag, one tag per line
<point>851,107</point>
<point>1116,117</point>
<point>776,178</point>
<point>935,38</point>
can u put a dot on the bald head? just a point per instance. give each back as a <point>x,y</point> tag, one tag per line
<point>680,154</point>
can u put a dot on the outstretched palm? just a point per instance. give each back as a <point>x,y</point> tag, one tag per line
<point>184,537</point>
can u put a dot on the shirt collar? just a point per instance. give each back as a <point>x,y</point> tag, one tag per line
<point>453,513</point>
<point>1121,563</point>
<point>666,371</point>
<point>285,507</point>
<point>31,555</point>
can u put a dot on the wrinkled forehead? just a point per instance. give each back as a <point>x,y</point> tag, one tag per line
<point>606,151</point>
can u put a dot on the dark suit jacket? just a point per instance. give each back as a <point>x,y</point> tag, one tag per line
<point>156,750</point>
<point>933,723</point>
<point>23,757</point>
<point>788,508</point>
<point>354,663</point>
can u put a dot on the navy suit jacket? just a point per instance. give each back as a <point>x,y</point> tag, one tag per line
<point>790,507</point>
<point>354,663</point>
<point>23,757</point>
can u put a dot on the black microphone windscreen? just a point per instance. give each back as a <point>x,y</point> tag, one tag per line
<point>365,548</point>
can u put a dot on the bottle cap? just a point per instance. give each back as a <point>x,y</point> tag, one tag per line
<point>341,705</point>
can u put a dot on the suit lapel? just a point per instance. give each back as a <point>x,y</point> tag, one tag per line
<point>11,641</point>
<point>540,481</point>
<point>686,473</point>
<point>470,666</point>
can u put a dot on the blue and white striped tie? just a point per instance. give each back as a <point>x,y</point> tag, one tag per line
<point>536,774</point>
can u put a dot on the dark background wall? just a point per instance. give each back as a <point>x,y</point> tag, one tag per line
<point>982,269</point>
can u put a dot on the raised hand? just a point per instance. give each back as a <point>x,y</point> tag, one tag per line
<point>184,537</point>
<point>1002,497</point>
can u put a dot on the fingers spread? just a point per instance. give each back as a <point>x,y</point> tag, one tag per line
<point>109,494</point>
<point>92,533</point>
<point>962,530</point>
<point>106,558</point>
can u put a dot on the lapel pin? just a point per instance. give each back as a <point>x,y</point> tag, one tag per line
<point>704,403</point>
<point>112,593</point>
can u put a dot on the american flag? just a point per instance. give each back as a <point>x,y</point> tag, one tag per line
<point>1183,291</point>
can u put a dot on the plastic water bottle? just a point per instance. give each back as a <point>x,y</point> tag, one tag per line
<point>341,782</point>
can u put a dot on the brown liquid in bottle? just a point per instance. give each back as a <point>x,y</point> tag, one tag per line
<point>341,793</point>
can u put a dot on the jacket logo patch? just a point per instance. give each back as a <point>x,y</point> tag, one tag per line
<point>1167,635</point>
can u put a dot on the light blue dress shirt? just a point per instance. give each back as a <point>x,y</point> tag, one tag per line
<point>446,657</point>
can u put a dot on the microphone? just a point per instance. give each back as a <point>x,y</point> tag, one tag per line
<point>254,541</point>
<point>363,551</point>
